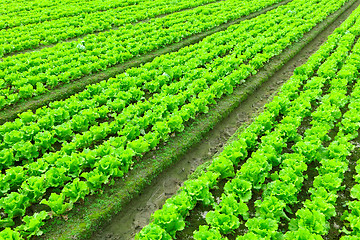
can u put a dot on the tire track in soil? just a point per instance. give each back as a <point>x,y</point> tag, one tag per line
<point>137,213</point>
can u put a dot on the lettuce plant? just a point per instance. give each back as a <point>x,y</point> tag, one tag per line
<point>226,223</point>
<point>205,233</point>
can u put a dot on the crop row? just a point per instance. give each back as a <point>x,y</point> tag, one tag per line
<point>312,219</point>
<point>49,32</point>
<point>276,194</point>
<point>22,133</point>
<point>31,74</point>
<point>350,131</point>
<point>8,6</point>
<point>125,115</point>
<point>22,12</point>
<point>292,105</point>
<point>84,108</point>
<point>140,123</point>
<point>352,217</point>
<point>68,122</point>
<point>52,10</point>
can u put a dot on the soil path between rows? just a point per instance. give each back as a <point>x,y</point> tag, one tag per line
<point>137,213</point>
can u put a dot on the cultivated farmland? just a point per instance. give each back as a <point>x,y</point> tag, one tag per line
<point>208,119</point>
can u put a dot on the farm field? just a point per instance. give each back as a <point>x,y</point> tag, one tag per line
<point>208,119</point>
